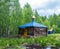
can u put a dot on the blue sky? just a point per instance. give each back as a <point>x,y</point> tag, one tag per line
<point>44,7</point>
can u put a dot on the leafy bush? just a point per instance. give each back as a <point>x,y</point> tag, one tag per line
<point>50,40</point>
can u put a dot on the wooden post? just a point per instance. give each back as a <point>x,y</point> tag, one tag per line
<point>46,31</point>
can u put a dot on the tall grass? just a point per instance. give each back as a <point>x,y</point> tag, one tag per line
<point>51,40</point>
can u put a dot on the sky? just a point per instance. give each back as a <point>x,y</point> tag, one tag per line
<point>43,7</point>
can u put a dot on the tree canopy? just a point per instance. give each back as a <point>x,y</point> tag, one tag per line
<point>12,16</point>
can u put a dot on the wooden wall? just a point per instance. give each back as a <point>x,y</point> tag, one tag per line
<point>33,31</point>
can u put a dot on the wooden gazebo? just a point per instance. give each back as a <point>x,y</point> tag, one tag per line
<point>32,29</point>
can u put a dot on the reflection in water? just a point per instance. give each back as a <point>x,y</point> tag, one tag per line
<point>48,47</point>
<point>23,47</point>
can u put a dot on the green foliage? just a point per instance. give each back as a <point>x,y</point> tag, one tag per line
<point>50,40</point>
<point>12,16</point>
<point>27,13</point>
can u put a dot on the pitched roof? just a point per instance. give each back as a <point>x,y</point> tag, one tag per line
<point>34,24</point>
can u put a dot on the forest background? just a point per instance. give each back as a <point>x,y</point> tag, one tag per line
<point>12,16</point>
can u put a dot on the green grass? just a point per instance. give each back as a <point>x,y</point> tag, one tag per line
<point>51,40</point>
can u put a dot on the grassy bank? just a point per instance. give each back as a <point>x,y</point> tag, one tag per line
<point>51,40</point>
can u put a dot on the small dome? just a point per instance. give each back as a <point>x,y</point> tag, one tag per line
<point>33,16</point>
